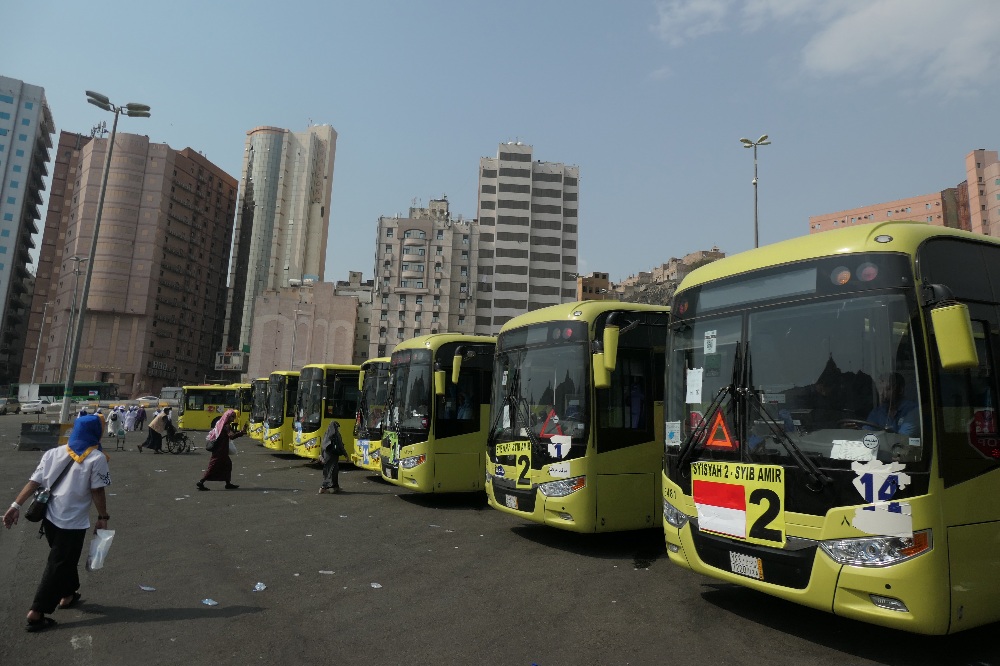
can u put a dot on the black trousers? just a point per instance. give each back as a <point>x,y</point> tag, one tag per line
<point>61,577</point>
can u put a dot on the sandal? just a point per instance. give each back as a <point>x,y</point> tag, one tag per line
<point>31,626</point>
<point>231,486</point>
<point>72,602</point>
<point>201,486</point>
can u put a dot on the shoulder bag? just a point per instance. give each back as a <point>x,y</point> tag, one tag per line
<point>40,502</point>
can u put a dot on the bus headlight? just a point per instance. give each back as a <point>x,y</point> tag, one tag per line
<point>412,461</point>
<point>563,487</point>
<point>674,516</point>
<point>877,551</point>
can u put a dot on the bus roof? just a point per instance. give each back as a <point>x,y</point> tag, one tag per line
<point>286,373</point>
<point>374,361</point>
<point>578,311</point>
<point>435,340</point>
<point>903,236</point>
<point>331,366</point>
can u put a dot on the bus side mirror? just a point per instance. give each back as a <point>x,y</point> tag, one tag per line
<point>439,380</point>
<point>456,368</point>
<point>361,380</point>
<point>602,376</point>
<point>610,347</point>
<point>956,345</point>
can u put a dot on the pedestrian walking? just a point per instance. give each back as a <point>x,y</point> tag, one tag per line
<point>159,426</point>
<point>68,517</point>
<point>332,447</point>
<point>130,419</point>
<point>220,467</point>
<point>140,418</point>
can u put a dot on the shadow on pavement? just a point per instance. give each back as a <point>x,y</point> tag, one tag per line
<point>122,614</point>
<point>457,501</point>
<point>887,646</point>
<point>643,546</point>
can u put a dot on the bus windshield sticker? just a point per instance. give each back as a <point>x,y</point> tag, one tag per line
<point>559,470</point>
<point>710,339</point>
<point>740,500</point>
<point>849,449</point>
<point>559,445</point>
<point>694,386</point>
<point>672,433</point>
<point>513,448</point>
<point>878,482</point>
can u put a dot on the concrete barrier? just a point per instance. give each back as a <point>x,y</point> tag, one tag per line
<point>43,436</point>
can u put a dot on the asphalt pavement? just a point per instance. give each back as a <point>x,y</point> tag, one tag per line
<point>378,575</point>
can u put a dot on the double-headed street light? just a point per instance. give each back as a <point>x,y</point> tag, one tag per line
<point>132,110</point>
<point>747,143</point>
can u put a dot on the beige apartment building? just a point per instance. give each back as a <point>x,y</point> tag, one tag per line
<point>354,287</point>
<point>528,213</point>
<point>972,205</point>
<point>157,297</point>
<point>301,324</point>
<point>593,287</point>
<point>426,270</point>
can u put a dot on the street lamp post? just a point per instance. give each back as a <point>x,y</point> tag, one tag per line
<point>132,110</point>
<point>71,324</point>
<point>39,347</point>
<point>747,143</point>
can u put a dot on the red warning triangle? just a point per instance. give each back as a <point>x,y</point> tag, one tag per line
<point>719,438</point>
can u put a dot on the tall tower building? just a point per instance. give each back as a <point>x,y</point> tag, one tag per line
<point>528,216</point>
<point>283,216</point>
<point>26,130</point>
<point>157,295</point>
<point>426,271</point>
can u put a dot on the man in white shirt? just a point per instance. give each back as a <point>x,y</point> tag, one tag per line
<point>68,517</point>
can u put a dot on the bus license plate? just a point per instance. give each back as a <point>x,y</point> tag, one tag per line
<point>744,565</point>
<point>510,501</point>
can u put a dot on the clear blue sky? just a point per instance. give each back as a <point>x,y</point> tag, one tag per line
<point>865,101</point>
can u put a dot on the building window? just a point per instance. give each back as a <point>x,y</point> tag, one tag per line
<point>25,121</point>
<point>22,137</point>
<point>385,300</point>
<point>388,233</point>
<point>461,321</point>
<point>419,300</point>
<point>420,284</point>
<point>465,240</point>
<point>437,284</point>
<point>440,235</point>
<point>4,115</point>
<point>402,300</point>
<point>29,105</point>
<point>464,288</point>
<point>414,233</point>
<point>404,283</point>
<point>465,271</point>
<point>465,255</point>
<point>384,316</point>
<point>416,317</point>
<point>17,168</point>
<point>388,249</point>
<point>14,184</point>
<point>8,217</point>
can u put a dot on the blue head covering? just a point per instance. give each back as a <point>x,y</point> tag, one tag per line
<point>87,431</point>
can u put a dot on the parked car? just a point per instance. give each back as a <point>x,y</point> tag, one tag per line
<point>10,406</point>
<point>38,407</point>
<point>148,400</point>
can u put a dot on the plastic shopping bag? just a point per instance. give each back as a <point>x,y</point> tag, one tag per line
<point>232,449</point>
<point>99,547</point>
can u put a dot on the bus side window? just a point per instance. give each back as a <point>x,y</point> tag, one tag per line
<point>627,406</point>
<point>970,438</point>
<point>458,409</point>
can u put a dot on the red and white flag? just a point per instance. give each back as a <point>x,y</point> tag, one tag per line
<point>722,508</point>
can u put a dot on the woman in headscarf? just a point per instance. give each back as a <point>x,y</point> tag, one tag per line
<point>84,472</point>
<point>130,419</point>
<point>220,467</point>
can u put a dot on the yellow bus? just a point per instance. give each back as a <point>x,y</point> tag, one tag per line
<point>576,438</point>
<point>282,388</point>
<point>830,427</point>
<point>434,440</point>
<point>201,406</point>
<point>258,409</point>
<point>327,393</point>
<point>373,383</point>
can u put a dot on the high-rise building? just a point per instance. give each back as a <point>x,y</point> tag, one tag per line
<point>283,216</point>
<point>26,129</point>
<point>157,294</point>
<point>427,269</point>
<point>528,214</point>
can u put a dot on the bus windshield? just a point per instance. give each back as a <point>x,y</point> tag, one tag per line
<point>834,378</point>
<point>412,383</point>
<point>258,406</point>
<point>310,400</point>
<point>374,394</point>
<point>540,392</point>
<point>278,404</point>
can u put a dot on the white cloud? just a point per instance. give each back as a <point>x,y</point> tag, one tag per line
<point>947,46</point>
<point>684,20</point>
<point>661,73</point>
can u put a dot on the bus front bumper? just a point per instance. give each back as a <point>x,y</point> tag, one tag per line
<point>574,512</point>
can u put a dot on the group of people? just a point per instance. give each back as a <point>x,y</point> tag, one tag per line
<point>122,419</point>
